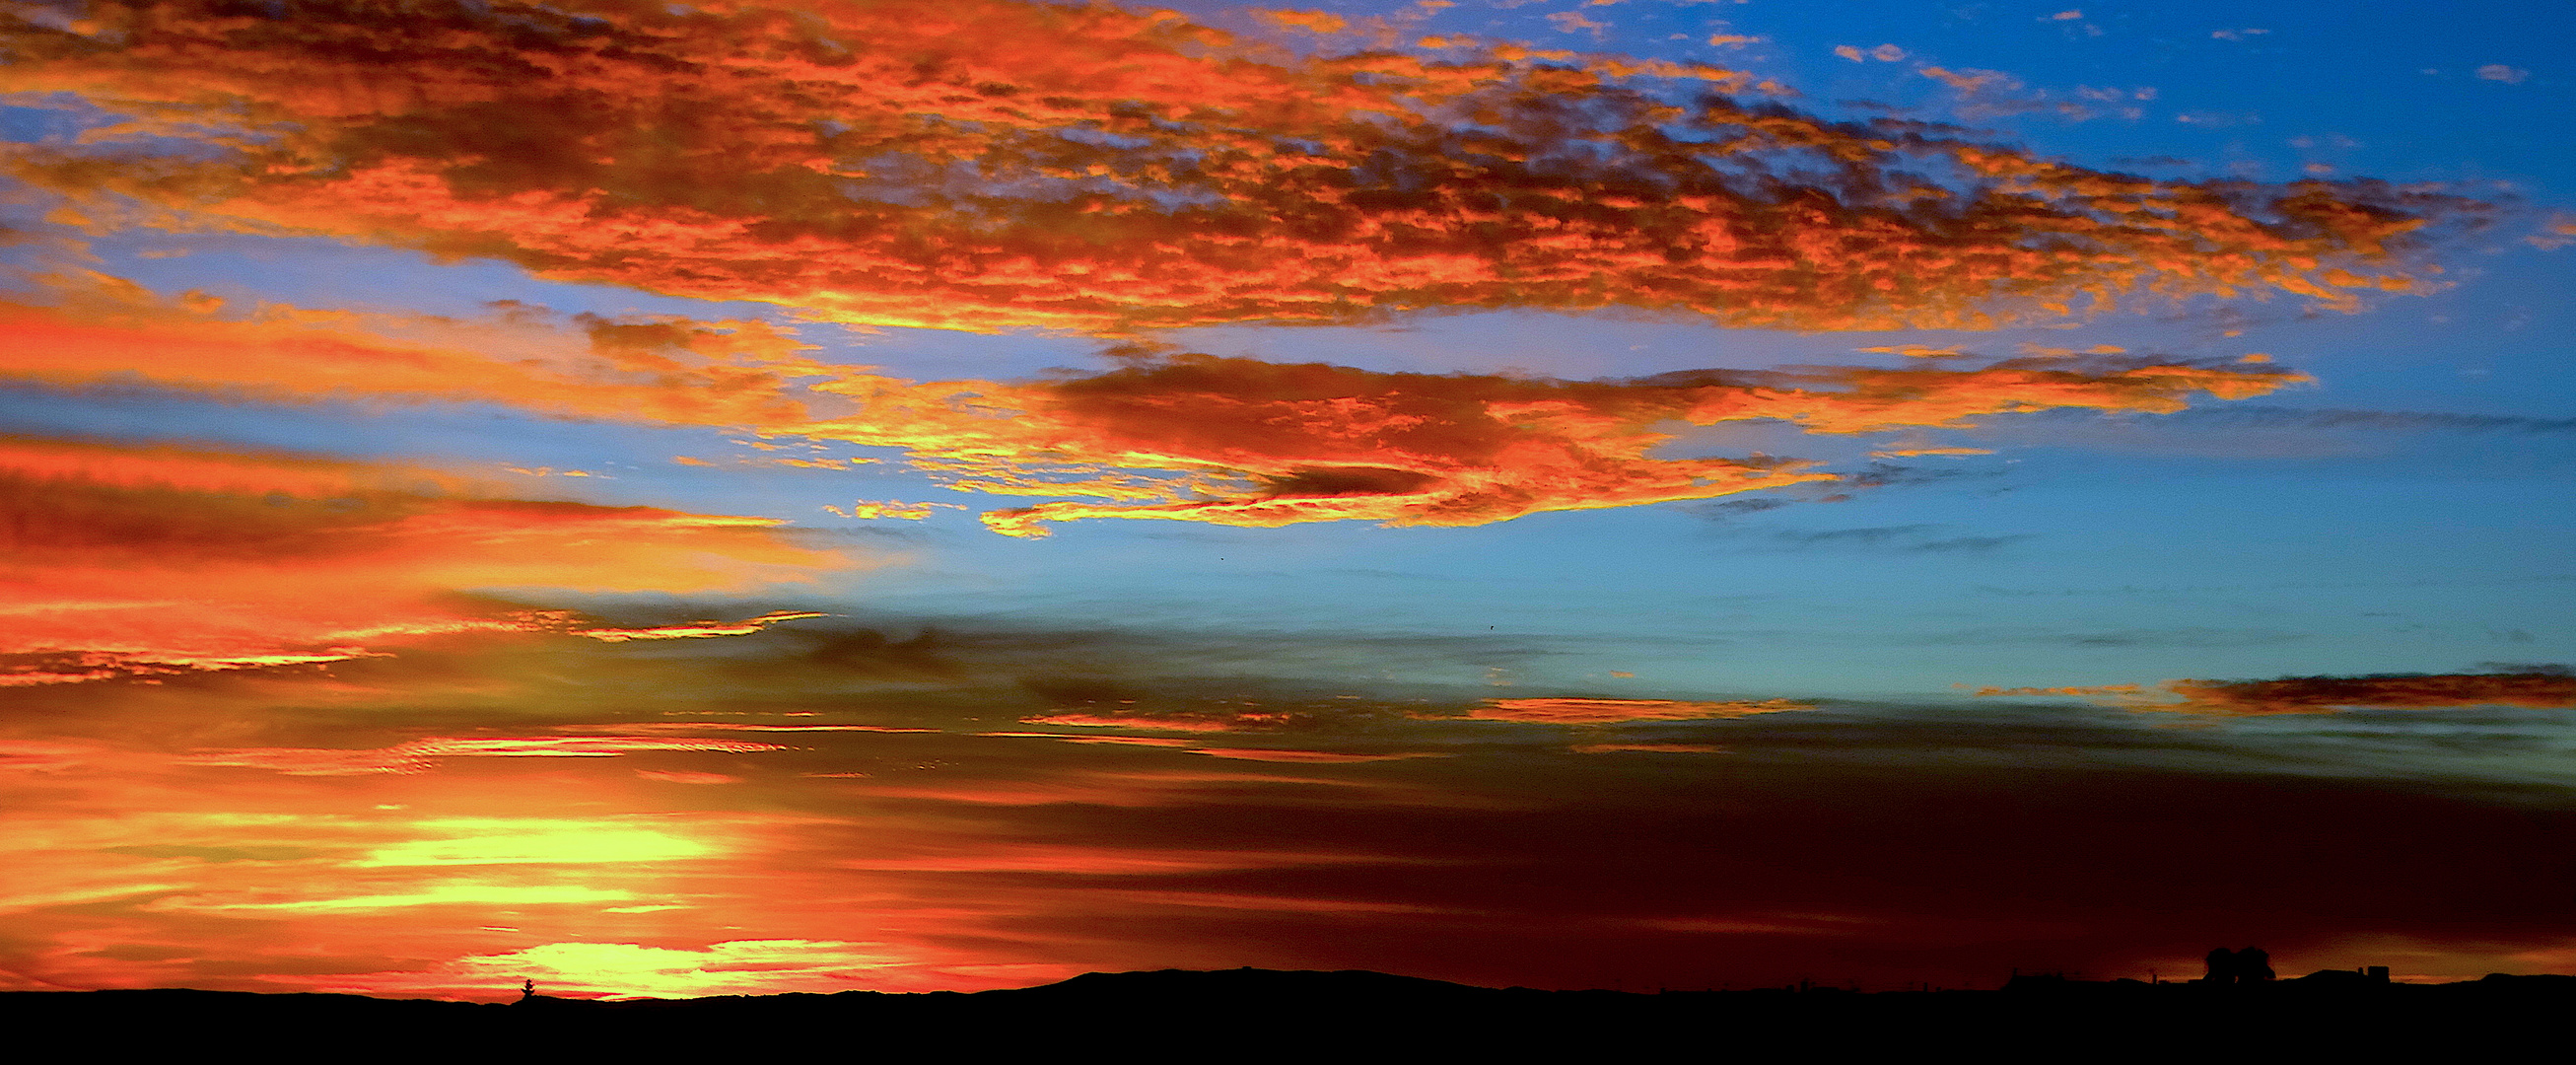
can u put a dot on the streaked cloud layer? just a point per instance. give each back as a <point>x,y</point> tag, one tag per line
<point>1391,832</point>
<point>2537,687</point>
<point>124,560</point>
<point>84,329</point>
<point>2546,690</point>
<point>509,491</point>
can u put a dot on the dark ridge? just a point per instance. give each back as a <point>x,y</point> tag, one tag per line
<point>1262,1014</point>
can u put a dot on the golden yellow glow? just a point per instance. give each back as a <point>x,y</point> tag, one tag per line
<point>761,966</point>
<point>699,629</point>
<point>538,841</point>
<point>501,894</point>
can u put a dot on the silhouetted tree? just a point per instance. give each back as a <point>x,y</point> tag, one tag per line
<point>2253,966</point>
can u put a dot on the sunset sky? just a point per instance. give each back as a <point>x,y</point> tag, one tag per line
<point>747,497</point>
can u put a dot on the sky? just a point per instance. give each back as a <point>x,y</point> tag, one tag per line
<point>738,498</point>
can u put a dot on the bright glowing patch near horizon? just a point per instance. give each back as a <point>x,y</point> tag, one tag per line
<point>728,968</point>
<point>511,841</point>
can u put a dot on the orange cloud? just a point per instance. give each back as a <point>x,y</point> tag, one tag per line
<point>865,509</point>
<point>124,561</point>
<point>683,777</point>
<point>1261,444</point>
<point>1309,21</point>
<point>85,329</point>
<point>36,756</point>
<point>417,755</point>
<point>1161,724</point>
<point>1274,754</point>
<point>994,164</point>
<point>1618,711</point>
<point>2540,690</point>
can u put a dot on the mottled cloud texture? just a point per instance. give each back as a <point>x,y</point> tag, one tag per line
<point>994,165</point>
<point>990,164</point>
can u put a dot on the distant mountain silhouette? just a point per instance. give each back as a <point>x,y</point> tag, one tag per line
<point>1261,1014</point>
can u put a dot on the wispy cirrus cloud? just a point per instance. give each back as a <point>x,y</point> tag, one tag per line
<point>77,329</point>
<point>121,561</point>
<point>1567,711</point>
<point>1156,723</point>
<point>699,630</point>
<point>419,755</point>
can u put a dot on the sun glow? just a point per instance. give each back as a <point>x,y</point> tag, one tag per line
<point>539,841</point>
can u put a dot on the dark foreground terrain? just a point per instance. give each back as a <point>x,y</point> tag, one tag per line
<point>1268,1015</point>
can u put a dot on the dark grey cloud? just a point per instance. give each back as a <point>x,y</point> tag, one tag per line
<point>1970,544</point>
<point>2175,637</point>
<point>1916,537</point>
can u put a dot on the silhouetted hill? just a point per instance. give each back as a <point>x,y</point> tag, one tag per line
<point>1233,983</point>
<point>1261,1014</point>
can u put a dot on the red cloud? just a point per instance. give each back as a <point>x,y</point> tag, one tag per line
<point>2542,690</point>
